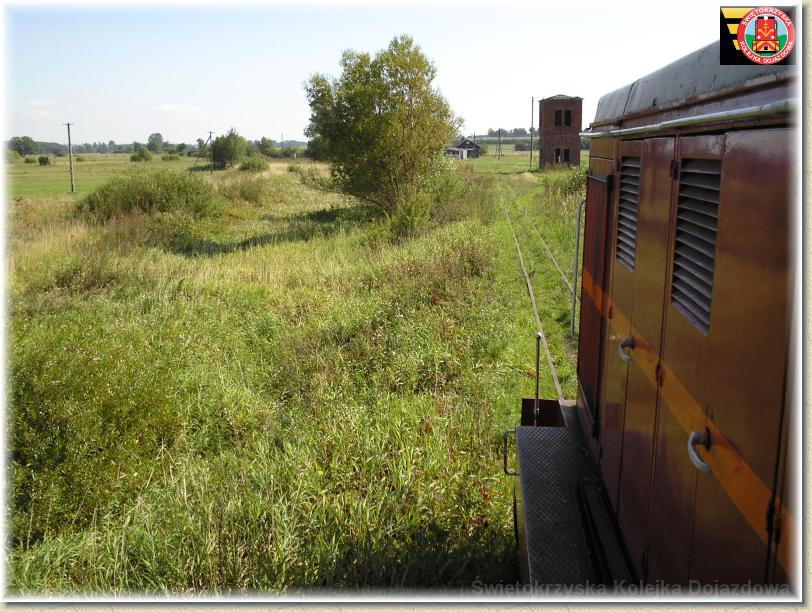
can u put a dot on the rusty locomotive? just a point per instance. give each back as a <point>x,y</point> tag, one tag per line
<point>676,461</point>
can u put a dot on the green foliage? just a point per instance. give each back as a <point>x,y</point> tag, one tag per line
<point>576,181</point>
<point>30,160</point>
<point>266,146</point>
<point>286,400</point>
<point>24,145</point>
<point>155,142</point>
<point>170,157</point>
<point>142,155</point>
<point>80,158</point>
<point>159,192</point>
<point>254,164</point>
<point>44,160</point>
<point>12,156</point>
<point>383,126</point>
<point>248,189</point>
<point>227,150</point>
<point>315,149</point>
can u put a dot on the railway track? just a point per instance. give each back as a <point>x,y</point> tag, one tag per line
<point>531,293</point>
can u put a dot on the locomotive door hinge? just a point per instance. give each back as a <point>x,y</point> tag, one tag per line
<point>658,374</point>
<point>675,168</point>
<point>644,565</point>
<point>771,522</point>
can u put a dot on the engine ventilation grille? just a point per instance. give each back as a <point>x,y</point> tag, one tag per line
<point>695,243</point>
<point>627,211</point>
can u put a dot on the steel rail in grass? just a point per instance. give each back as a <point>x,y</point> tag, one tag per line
<point>532,295</point>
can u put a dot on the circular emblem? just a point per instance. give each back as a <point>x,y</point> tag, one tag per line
<point>766,35</point>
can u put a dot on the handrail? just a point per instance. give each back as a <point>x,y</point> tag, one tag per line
<point>782,106</point>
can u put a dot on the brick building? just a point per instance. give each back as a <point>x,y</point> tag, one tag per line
<point>559,125</point>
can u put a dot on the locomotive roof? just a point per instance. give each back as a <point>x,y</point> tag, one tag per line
<point>695,74</point>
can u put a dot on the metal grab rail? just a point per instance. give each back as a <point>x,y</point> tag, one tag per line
<point>575,265</point>
<point>505,467</point>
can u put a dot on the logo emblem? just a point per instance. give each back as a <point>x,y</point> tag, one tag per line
<point>766,35</point>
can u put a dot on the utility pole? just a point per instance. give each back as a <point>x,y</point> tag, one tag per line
<point>211,154</point>
<point>70,161</point>
<point>532,115</point>
<point>498,143</point>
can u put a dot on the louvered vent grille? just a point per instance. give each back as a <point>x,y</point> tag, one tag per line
<point>627,210</point>
<point>695,244</point>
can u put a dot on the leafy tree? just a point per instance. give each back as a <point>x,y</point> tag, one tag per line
<point>227,150</point>
<point>266,146</point>
<point>383,125</point>
<point>44,160</point>
<point>155,142</point>
<point>315,149</point>
<point>24,145</point>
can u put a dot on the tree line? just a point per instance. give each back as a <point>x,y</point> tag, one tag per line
<point>25,145</point>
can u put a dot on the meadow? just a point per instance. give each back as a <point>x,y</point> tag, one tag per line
<point>278,396</point>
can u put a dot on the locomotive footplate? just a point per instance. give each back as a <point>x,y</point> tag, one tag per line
<point>565,530</point>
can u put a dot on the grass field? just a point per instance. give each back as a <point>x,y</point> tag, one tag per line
<point>276,398</point>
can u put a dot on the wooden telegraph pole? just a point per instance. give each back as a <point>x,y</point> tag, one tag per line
<point>70,161</point>
<point>532,116</point>
<point>211,154</point>
<point>498,143</point>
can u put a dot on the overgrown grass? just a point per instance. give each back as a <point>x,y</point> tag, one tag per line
<point>147,193</point>
<point>286,399</point>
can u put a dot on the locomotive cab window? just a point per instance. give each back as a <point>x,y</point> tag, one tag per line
<point>695,240</point>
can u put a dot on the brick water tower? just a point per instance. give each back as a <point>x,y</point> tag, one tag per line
<point>559,125</point>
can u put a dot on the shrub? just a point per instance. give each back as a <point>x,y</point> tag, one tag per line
<point>30,160</point>
<point>383,126</point>
<point>249,189</point>
<point>226,150</point>
<point>44,160</point>
<point>80,158</point>
<point>254,164</point>
<point>164,192</point>
<point>576,181</point>
<point>12,156</point>
<point>141,155</point>
<point>170,157</point>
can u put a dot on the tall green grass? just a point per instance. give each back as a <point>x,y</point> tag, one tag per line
<point>166,191</point>
<point>286,400</point>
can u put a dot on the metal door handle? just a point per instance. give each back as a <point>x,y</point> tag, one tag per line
<point>623,344</point>
<point>505,467</point>
<point>698,437</point>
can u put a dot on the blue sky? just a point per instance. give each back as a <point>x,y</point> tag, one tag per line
<point>123,73</point>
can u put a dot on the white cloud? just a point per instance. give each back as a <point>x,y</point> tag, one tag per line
<point>43,113</point>
<point>40,104</point>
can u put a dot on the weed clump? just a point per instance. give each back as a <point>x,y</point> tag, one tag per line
<point>142,155</point>
<point>248,189</point>
<point>159,192</point>
<point>575,181</point>
<point>254,164</point>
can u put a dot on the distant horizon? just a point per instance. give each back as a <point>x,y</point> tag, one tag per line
<point>183,70</point>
